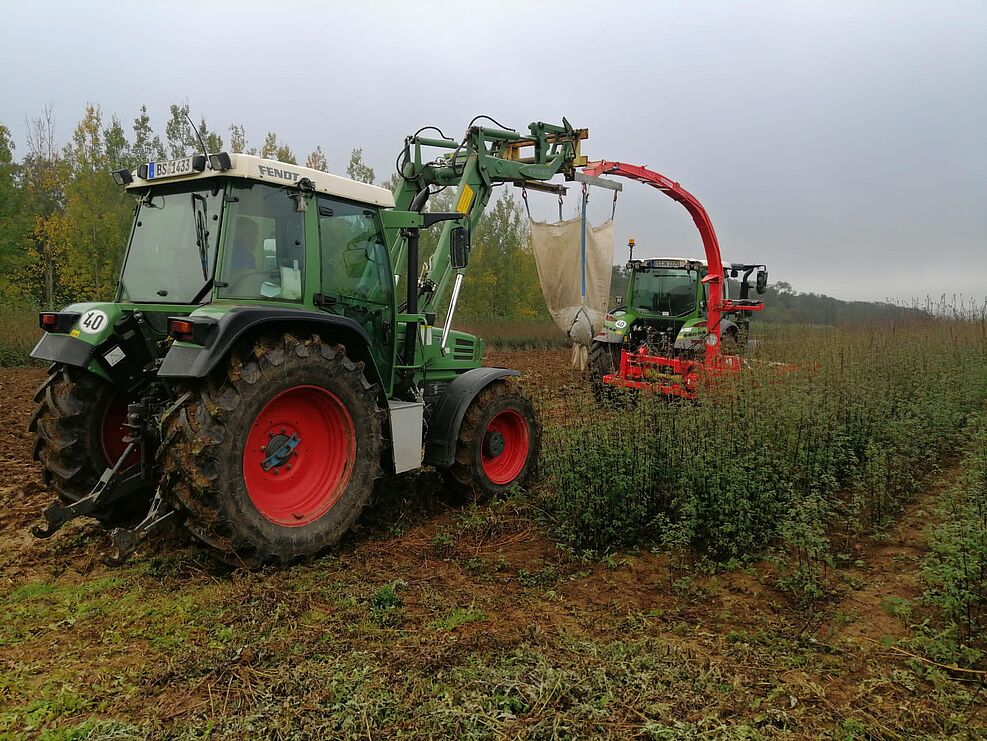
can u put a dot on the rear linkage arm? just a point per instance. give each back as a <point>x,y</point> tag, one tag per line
<point>111,487</point>
<point>142,432</point>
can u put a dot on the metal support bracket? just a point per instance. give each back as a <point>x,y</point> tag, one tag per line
<point>599,182</point>
<point>542,187</point>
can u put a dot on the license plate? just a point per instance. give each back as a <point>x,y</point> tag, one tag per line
<point>169,168</point>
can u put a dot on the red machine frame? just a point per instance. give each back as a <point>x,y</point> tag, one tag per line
<point>679,376</point>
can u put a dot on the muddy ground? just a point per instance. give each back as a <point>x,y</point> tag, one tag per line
<point>437,619</point>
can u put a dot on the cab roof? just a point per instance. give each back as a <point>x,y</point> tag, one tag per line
<point>260,169</point>
<point>699,260</point>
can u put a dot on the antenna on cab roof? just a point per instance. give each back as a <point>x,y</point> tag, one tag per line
<point>197,135</point>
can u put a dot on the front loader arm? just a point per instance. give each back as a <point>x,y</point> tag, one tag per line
<point>486,157</point>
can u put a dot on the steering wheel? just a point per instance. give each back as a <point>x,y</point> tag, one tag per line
<point>239,286</point>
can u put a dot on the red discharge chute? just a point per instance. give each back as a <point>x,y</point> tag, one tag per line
<point>632,374</point>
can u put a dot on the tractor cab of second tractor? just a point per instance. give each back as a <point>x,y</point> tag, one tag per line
<point>664,306</point>
<point>664,311</point>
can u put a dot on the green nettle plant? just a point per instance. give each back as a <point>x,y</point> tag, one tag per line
<point>955,570</point>
<point>800,462</point>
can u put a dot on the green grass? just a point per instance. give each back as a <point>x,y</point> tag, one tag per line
<point>458,616</point>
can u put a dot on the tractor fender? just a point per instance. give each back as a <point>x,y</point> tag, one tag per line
<point>217,334</point>
<point>443,428</point>
<point>610,338</point>
<point>70,346</point>
<point>62,348</point>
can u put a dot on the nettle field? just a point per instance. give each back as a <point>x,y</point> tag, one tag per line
<point>800,554</point>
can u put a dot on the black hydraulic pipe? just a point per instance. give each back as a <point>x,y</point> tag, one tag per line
<point>411,330</point>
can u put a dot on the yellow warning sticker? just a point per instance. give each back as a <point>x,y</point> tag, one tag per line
<point>465,200</point>
<point>74,333</point>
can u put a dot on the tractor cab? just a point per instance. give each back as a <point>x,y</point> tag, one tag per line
<point>664,306</point>
<point>236,233</point>
<point>251,229</point>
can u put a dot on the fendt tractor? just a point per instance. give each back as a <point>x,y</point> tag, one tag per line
<point>677,324</point>
<point>257,369</point>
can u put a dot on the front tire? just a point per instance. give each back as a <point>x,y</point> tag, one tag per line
<point>604,359</point>
<point>274,460</point>
<point>78,429</point>
<point>498,445</point>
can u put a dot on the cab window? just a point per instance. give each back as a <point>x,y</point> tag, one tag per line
<point>355,265</point>
<point>264,256</point>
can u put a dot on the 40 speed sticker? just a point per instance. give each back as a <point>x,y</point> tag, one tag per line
<point>93,321</point>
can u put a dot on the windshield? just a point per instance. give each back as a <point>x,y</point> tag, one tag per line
<point>173,248</point>
<point>668,291</point>
<point>264,253</point>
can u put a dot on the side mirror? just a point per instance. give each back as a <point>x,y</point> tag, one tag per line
<point>762,281</point>
<point>459,248</point>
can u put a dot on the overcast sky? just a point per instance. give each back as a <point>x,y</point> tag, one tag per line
<point>842,143</point>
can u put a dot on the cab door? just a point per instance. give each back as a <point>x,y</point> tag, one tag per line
<point>355,273</point>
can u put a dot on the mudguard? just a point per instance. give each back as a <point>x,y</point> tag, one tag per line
<point>443,428</point>
<point>61,348</point>
<point>216,335</point>
<point>610,338</point>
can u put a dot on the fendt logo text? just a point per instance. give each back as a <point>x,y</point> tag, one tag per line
<point>273,172</point>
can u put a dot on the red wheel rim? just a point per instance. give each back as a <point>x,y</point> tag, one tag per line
<point>112,430</point>
<point>505,447</point>
<point>295,483</point>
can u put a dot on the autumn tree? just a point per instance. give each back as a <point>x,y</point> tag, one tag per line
<point>238,139</point>
<point>179,132</point>
<point>317,160</point>
<point>14,222</point>
<point>147,146</point>
<point>277,150</point>
<point>212,139</point>
<point>98,210</point>
<point>502,281</point>
<point>359,170</point>
<point>44,173</point>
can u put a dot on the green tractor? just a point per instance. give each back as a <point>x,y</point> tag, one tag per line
<point>273,347</point>
<point>664,313</point>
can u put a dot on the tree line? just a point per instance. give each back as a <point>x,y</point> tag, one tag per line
<point>64,223</point>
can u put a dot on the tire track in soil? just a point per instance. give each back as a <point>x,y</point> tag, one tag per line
<point>887,569</point>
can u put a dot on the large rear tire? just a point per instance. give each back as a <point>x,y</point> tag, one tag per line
<point>273,460</point>
<point>78,429</point>
<point>498,445</point>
